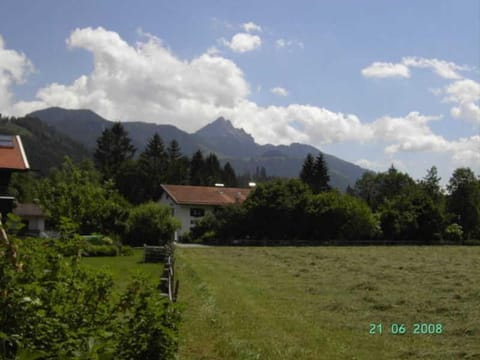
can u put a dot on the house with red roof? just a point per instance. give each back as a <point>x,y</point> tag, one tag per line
<point>12,159</point>
<point>189,204</point>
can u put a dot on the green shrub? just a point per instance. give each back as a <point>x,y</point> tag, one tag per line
<point>151,224</point>
<point>101,250</point>
<point>51,305</point>
<point>454,233</point>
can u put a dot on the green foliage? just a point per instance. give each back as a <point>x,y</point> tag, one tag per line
<point>463,201</point>
<point>334,216</point>
<point>375,189</point>
<point>275,210</point>
<point>314,173</point>
<point>454,233</point>
<point>228,176</point>
<point>177,167</point>
<point>113,148</point>
<point>288,211</point>
<point>150,223</point>
<point>76,193</point>
<point>152,167</point>
<point>23,186</point>
<point>53,308</point>
<point>411,216</point>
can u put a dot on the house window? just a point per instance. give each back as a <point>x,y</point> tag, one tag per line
<point>196,212</point>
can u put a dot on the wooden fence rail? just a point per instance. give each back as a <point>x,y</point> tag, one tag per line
<point>164,254</point>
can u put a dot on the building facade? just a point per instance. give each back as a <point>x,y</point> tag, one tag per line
<point>189,204</point>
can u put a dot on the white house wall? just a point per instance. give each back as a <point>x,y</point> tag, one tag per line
<point>182,213</point>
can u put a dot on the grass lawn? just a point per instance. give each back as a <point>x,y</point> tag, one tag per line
<point>123,268</point>
<point>319,302</point>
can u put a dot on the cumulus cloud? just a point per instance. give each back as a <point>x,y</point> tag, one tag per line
<point>444,69</point>
<point>148,82</point>
<point>243,42</point>
<point>465,94</point>
<point>384,70</point>
<point>279,91</point>
<point>14,68</point>
<point>251,27</point>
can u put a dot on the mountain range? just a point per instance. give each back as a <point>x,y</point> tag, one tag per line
<point>220,137</point>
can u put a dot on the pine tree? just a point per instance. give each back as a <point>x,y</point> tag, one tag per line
<point>212,170</point>
<point>197,166</point>
<point>228,177</point>
<point>114,147</point>
<point>177,168</point>
<point>306,174</point>
<point>153,167</point>
<point>320,175</point>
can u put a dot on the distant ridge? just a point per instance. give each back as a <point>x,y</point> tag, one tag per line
<point>220,137</point>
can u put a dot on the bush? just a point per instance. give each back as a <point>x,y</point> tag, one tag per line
<point>454,233</point>
<point>53,307</point>
<point>151,224</point>
<point>100,250</point>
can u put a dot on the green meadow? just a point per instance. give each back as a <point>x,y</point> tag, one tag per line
<point>323,302</point>
<point>124,268</point>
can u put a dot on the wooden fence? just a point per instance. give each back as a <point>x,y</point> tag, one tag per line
<point>164,254</point>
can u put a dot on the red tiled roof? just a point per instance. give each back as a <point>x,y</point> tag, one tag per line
<point>13,157</point>
<point>28,210</point>
<point>206,195</point>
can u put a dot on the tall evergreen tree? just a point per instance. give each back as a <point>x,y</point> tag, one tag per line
<point>228,177</point>
<point>212,170</point>
<point>320,175</point>
<point>153,167</point>
<point>464,200</point>
<point>113,148</point>
<point>307,172</point>
<point>177,168</point>
<point>197,166</point>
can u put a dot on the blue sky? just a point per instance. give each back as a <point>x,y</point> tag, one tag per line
<point>373,82</point>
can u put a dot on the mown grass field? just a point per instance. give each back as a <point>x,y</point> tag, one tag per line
<point>123,268</point>
<point>318,303</point>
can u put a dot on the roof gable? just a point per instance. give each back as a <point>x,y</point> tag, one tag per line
<point>12,155</point>
<point>205,195</point>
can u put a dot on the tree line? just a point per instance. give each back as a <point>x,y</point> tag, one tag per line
<point>139,180</point>
<point>381,207</point>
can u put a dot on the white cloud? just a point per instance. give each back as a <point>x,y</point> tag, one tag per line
<point>384,70</point>
<point>243,42</point>
<point>444,69</point>
<point>147,82</point>
<point>279,91</point>
<point>466,95</point>
<point>14,68</point>
<point>408,134</point>
<point>283,43</point>
<point>251,27</point>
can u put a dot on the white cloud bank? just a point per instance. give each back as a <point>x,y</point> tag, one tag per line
<point>444,69</point>
<point>14,68</point>
<point>147,82</point>
<point>462,92</point>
